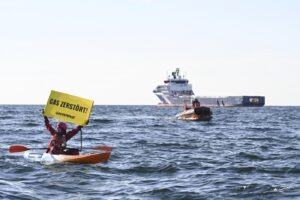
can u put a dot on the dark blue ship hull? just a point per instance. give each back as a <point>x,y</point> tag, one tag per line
<point>233,101</point>
<point>253,101</point>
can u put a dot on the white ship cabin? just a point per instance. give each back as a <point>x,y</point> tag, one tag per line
<point>178,85</point>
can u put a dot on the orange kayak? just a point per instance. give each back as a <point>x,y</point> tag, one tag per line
<point>196,114</point>
<point>84,159</point>
<point>92,158</point>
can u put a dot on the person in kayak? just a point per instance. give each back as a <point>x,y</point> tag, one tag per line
<point>59,138</point>
<point>185,106</point>
<point>196,103</point>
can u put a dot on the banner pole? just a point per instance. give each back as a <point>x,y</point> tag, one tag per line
<point>80,140</point>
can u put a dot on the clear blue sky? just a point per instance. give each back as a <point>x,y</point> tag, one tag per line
<point>117,52</point>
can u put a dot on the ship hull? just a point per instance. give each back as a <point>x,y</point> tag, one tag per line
<point>229,101</point>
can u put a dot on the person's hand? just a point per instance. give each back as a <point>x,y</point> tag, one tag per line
<point>45,117</point>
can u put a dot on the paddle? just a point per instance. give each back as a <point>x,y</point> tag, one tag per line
<point>19,148</point>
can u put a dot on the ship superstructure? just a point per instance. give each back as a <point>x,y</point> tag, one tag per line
<point>177,90</point>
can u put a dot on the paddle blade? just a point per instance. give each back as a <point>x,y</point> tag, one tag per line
<point>17,148</point>
<point>105,148</point>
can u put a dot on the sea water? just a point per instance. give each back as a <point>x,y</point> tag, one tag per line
<point>242,153</point>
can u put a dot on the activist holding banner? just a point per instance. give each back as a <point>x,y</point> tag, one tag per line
<point>67,108</point>
<point>59,138</point>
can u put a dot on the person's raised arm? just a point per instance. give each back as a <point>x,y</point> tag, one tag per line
<point>73,132</point>
<point>48,125</point>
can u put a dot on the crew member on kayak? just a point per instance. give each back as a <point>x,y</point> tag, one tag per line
<point>185,106</point>
<point>195,104</point>
<point>59,138</point>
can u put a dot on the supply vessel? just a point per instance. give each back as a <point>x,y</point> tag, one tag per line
<point>177,90</point>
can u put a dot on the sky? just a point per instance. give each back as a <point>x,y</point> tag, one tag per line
<point>116,52</point>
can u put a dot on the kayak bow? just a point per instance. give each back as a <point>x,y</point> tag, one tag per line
<point>92,158</point>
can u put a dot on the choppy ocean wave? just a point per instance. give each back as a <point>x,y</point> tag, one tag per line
<point>243,153</point>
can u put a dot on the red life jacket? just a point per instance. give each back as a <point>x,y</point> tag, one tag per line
<point>58,141</point>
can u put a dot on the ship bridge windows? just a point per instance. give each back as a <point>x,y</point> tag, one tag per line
<point>184,92</point>
<point>180,81</point>
<point>177,81</point>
